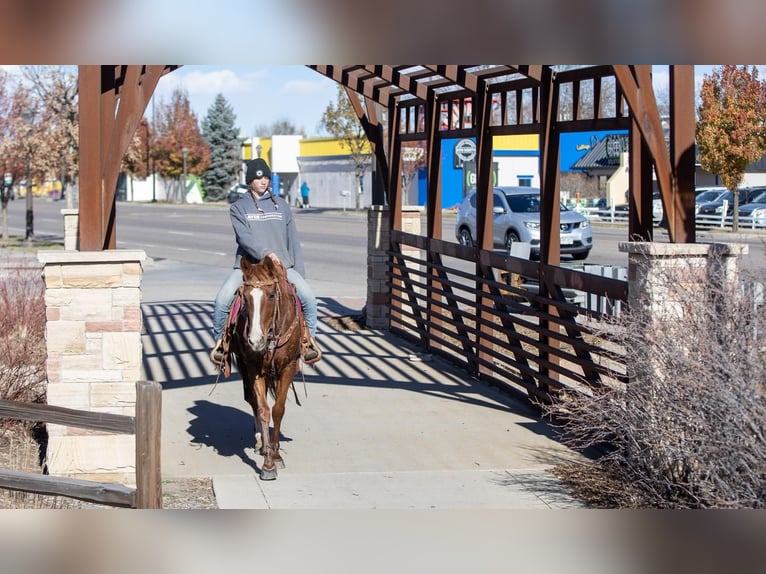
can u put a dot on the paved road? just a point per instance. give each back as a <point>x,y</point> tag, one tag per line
<point>335,242</point>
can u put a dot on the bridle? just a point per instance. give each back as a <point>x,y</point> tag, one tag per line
<point>274,339</point>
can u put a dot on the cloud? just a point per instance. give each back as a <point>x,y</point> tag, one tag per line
<point>302,87</point>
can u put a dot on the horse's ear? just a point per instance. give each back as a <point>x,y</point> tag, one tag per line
<point>244,264</point>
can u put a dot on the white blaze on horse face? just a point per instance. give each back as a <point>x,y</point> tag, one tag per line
<point>256,335</point>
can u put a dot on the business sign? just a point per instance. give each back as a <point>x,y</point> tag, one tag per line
<point>465,151</point>
<point>469,176</point>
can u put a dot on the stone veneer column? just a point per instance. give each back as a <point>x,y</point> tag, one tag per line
<point>71,228</point>
<point>93,339</point>
<point>659,271</point>
<point>378,241</point>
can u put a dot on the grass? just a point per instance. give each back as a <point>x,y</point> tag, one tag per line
<point>18,243</point>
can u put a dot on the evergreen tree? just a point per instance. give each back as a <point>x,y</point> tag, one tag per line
<point>222,137</point>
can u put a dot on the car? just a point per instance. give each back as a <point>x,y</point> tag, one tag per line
<point>236,192</point>
<point>755,211</point>
<point>712,208</point>
<point>516,218</point>
<point>706,195</point>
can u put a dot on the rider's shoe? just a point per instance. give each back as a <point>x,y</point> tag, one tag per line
<point>313,354</point>
<point>216,355</point>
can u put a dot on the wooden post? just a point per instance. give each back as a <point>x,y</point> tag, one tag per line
<point>148,441</point>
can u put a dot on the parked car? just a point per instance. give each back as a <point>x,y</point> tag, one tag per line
<point>236,192</point>
<point>516,212</point>
<point>620,210</point>
<point>746,194</point>
<point>705,195</point>
<point>755,211</point>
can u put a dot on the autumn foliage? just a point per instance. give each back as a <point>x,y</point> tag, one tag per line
<point>731,127</point>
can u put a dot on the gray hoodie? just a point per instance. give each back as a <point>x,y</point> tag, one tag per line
<point>263,228</point>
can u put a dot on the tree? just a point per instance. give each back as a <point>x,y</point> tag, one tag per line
<point>5,141</point>
<point>279,127</point>
<point>177,129</point>
<point>413,159</point>
<point>340,121</point>
<point>731,125</point>
<point>225,148</point>
<point>56,87</point>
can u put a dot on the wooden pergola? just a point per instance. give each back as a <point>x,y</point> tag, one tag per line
<point>113,100</point>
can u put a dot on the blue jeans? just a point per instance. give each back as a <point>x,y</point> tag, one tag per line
<point>226,292</point>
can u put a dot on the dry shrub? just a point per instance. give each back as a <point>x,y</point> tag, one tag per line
<point>689,430</point>
<point>22,334</point>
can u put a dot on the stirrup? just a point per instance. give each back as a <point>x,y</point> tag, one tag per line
<point>216,355</point>
<point>313,354</point>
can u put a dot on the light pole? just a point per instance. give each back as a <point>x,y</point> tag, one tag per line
<point>258,149</point>
<point>185,152</point>
<point>28,116</point>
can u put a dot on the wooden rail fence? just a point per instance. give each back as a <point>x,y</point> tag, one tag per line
<point>145,425</point>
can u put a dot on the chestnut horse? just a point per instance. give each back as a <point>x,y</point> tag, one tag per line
<point>266,331</point>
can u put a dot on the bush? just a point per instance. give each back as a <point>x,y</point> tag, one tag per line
<point>22,335</point>
<point>689,429</point>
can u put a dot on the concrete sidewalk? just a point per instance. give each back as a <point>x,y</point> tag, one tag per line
<point>380,425</point>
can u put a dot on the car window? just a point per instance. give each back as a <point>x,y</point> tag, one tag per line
<point>706,196</point>
<point>759,197</point>
<point>497,202</point>
<point>527,203</point>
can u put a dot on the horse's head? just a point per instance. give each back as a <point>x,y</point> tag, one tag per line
<point>261,291</point>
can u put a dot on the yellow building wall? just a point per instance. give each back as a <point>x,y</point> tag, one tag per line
<point>320,147</point>
<point>522,142</point>
<point>315,147</point>
<point>249,153</point>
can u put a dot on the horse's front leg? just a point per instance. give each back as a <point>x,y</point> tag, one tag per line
<point>268,469</point>
<point>278,410</point>
<point>250,398</point>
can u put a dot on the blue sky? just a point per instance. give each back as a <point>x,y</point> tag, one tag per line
<point>262,94</point>
<point>258,94</point>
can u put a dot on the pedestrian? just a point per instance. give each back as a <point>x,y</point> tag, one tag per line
<point>305,194</point>
<point>264,227</point>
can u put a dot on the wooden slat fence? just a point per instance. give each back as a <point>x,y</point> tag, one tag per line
<point>536,341</point>
<point>145,425</point>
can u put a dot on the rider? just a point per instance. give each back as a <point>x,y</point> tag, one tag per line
<point>264,227</point>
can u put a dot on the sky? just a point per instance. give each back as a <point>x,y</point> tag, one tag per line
<point>258,94</point>
<point>263,94</point>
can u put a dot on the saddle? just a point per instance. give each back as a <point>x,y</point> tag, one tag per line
<point>231,320</point>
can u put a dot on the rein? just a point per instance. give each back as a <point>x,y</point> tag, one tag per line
<point>275,340</point>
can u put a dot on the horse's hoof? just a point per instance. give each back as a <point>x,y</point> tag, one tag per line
<point>270,474</point>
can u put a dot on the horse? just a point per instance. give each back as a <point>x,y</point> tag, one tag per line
<point>266,330</point>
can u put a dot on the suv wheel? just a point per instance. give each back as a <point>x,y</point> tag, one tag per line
<point>510,238</point>
<point>465,237</point>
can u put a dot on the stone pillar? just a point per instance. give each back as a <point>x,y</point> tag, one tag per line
<point>378,241</point>
<point>661,275</point>
<point>71,228</point>
<point>93,339</point>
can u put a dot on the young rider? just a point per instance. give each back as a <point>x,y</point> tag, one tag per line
<point>264,227</point>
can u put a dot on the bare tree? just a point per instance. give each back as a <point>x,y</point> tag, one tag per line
<point>689,429</point>
<point>341,121</point>
<point>56,87</point>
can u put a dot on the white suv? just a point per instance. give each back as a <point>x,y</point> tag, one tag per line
<point>516,213</point>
